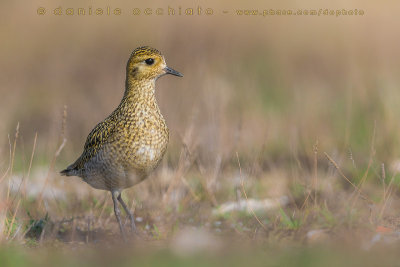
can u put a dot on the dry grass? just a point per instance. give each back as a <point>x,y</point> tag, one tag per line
<point>300,108</point>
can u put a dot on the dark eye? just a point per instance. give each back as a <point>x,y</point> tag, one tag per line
<point>149,61</point>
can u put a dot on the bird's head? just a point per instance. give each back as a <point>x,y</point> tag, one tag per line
<point>146,63</point>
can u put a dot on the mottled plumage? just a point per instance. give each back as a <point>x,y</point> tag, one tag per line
<point>124,148</point>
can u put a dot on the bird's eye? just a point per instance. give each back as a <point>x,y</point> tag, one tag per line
<point>149,61</point>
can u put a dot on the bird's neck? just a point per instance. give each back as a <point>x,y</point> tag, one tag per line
<point>140,91</point>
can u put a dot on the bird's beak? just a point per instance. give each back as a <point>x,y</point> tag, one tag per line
<point>173,72</point>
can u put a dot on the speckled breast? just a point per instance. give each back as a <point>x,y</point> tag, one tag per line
<point>146,141</point>
<point>146,151</point>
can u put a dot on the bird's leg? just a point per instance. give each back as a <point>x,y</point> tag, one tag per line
<point>117,211</point>
<point>128,212</point>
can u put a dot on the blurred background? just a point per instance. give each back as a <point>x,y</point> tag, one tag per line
<point>263,98</point>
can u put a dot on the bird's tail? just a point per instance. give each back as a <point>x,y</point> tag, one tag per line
<point>71,170</point>
<point>65,172</point>
<point>68,171</point>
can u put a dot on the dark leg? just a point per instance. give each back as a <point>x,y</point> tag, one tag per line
<point>128,212</point>
<point>117,211</point>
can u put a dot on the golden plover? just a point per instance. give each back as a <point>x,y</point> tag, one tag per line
<point>124,148</point>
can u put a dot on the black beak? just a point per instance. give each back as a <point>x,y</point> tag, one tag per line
<point>173,72</point>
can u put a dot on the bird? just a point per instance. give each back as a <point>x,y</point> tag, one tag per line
<point>124,148</point>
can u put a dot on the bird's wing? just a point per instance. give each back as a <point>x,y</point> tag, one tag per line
<point>99,135</point>
<point>95,140</point>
